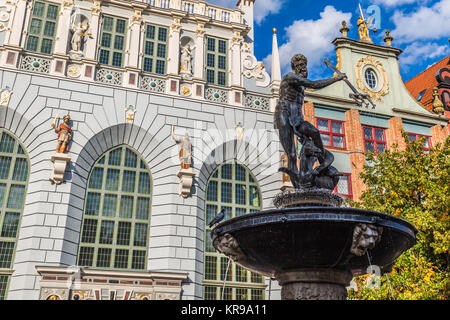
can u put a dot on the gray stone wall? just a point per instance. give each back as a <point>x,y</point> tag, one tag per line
<point>52,217</point>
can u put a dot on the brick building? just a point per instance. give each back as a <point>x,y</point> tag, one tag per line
<point>123,214</point>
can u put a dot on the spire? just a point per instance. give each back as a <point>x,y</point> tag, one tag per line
<point>276,68</point>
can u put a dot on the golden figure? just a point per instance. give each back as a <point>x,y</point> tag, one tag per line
<point>185,153</point>
<point>363,31</point>
<point>64,134</point>
<point>438,106</point>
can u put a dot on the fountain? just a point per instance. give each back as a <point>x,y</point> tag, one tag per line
<point>311,244</point>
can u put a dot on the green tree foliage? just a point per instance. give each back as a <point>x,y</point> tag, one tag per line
<point>412,185</point>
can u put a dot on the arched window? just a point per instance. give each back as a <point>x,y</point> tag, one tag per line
<point>371,79</point>
<point>232,187</point>
<point>116,219</point>
<point>14,173</point>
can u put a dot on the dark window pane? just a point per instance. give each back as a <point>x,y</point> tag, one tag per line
<point>7,143</point>
<point>46,46</point>
<point>10,225</point>
<point>89,231</point>
<point>240,194</point>
<point>112,180</point>
<point>49,29</point>
<point>20,169</point>
<point>39,9</point>
<point>211,44</point>
<point>106,232</point>
<point>108,24</point>
<point>210,60</point>
<point>226,195</point>
<point>369,146</point>
<point>148,64</point>
<point>104,258</point>
<point>32,43</point>
<point>144,183</point>
<point>222,62</point>
<point>211,212</point>
<point>210,268</point>
<point>104,56</point>
<point>149,47</point>
<point>6,254</point>
<point>123,233</point>
<point>160,67</point>
<point>379,135</point>
<point>140,235</point>
<point>86,257</point>
<point>121,259</point>
<point>337,127</point>
<point>138,261</point>
<point>161,50</point>
<point>240,172</point>
<point>93,204</point>
<point>117,59</point>
<point>5,165</point>
<point>211,193</point>
<point>221,78</point>
<point>226,171</point>
<point>325,139</point>
<point>114,157</point>
<point>210,76</point>
<point>322,125</point>
<point>16,196</point>
<point>120,26</point>
<point>381,147</point>
<point>118,42</point>
<point>106,40</point>
<point>128,181</point>
<point>109,205</point>
<point>143,208</point>
<point>126,207</point>
<point>130,159</point>
<point>162,34</point>
<point>368,133</point>
<point>35,26</point>
<point>150,34</point>
<point>338,141</point>
<point>96,179</point>
<point>52,12</point>
<point>254,197</point>
<point>222,46</point>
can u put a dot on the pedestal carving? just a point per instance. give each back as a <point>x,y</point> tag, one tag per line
<point>60,161</point>
<point>186,180</point>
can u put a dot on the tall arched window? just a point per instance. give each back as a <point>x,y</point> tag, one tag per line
<point>116,219</point>
<point>14,173</point>
<point>232,187</point>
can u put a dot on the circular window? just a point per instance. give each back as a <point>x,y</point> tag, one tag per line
<point>371,78</point>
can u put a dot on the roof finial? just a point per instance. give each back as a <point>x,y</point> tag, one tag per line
<point>344,30</point>
<point>388,39</point>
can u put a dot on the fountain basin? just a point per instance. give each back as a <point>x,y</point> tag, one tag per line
<point>287,243</point>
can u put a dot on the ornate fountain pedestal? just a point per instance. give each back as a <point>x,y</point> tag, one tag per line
<point>311,245</point>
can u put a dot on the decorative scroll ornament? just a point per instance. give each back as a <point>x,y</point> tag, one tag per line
<point>185,90</point>
<point>382,87</point>
<point>239,131</point>
<point>5,95</point>
<point>255,69</point>
<point>54,294</point>
<point>438,106</point>
<point>137,17</point>
<point>5,14</point>
<point>365,237</point>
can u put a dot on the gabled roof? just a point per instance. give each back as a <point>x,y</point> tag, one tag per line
<point>426,80</point>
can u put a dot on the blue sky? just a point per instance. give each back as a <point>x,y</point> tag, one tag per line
<point>421,28</point>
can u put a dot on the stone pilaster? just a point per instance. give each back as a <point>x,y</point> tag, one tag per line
<point>14,35</point>
<point>134,35</point>
<point>63,28</point>
<point>173,65</point>
<point>394,133</point>
<point>439,134</point>
<point>355,145</point>
<point>236,59</point>
<point>91,44</point>
<point>199,52</point>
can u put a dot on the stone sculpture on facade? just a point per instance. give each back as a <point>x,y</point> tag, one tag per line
<point>290,124</point>
<point>78,33</point>
<point>186,60</point>
<point>365,237</point>
<point>186,174</point>
<point>5,95</point>
<point>61,159</point>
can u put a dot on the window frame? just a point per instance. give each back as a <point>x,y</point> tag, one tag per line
<point>374,140</point>
<point>111,50</point>
<point>350,188</point>
<point>217,55</point>
<point>41,36</point>
<point>156,42</point>
<point>213,287</point>
<point>331,133</point>
<point>116,218</point>
<point>4,209</point>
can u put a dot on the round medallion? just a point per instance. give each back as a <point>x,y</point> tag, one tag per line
<point>36,64</point>
<point>109,76</point>
<point>216,95</point>
<point>257,102</point>
<point>153,84</point>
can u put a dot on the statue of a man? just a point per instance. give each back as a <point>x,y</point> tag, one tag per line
<point>186,56</point>
<point>64,135</point>
<point>78,36</point>
<point>185,153</point>
<point>289,117</point>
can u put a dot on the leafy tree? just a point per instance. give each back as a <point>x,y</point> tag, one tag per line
<point>413,185</point>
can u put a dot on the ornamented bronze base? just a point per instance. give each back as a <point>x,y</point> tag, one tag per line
<point>318,197</point>
<point>325,284</point>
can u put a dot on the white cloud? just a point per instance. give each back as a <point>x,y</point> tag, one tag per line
<point>424,23</point>
<point>262,9</point>
<point>395,3</point>
<point>312,38</point>
<point>418,53</point>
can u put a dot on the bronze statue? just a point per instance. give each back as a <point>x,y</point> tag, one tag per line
<point>290,123</point>
<point>64,134</point>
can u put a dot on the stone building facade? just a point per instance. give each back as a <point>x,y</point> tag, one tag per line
<point>124,213</point>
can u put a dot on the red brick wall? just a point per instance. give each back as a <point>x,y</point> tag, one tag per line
<point>439,134</point>
<point>394,134</point>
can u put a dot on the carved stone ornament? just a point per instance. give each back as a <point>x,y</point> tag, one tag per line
<point>129,114</point>
<point>382,87</point>
<point>54,294</point>
<point>166,296</point>
<point>365,237</point>
<point>228,245</point>
<point>5,95</point>
<point>255,69</point>
<point>60,161</point>
<point>313,291</point>
<point>5,14</point>
<point>185,90</point>
<point>186,177</point>
<point>73,70</point>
